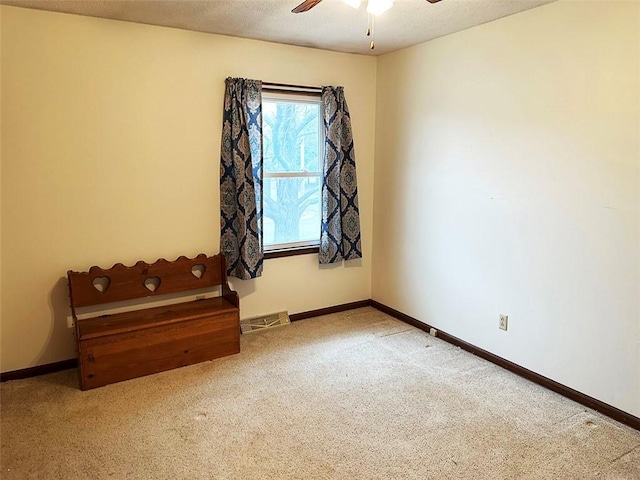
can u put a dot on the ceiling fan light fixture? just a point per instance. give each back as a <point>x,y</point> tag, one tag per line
<point>353,3</point>
<point>376,7</point>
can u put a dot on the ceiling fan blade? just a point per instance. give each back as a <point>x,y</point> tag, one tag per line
<point>306,5</point>
<point>433,1</point>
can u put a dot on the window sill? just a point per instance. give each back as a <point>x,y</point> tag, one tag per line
<point>290,252</point>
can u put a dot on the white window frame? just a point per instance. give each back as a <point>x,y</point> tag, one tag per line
<point>297,98</point>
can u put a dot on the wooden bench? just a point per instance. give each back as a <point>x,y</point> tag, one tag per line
<point>126,345</point>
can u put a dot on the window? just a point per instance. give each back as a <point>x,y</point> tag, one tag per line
<point>293,142</point>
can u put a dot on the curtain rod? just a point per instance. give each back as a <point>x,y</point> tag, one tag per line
<point>283,86</point>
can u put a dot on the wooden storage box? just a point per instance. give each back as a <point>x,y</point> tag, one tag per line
<point>122,346</point>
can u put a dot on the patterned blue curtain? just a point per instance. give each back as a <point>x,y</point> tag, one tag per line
<point>241,178</point>
<point>340,233</point>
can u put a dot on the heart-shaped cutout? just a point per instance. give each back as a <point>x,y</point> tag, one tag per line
<point>152,283</point>
<point>101,284</point>
<point>198,270</point>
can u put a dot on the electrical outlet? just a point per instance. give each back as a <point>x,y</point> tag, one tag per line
<point>504,322</point>
<point>70,323</point>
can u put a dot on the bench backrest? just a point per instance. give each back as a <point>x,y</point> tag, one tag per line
<point>142,280</point>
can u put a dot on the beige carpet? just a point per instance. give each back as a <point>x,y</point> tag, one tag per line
<point>356,395</point>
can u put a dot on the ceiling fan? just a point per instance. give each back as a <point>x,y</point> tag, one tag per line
<point>374,7</point>
<point>378,6</point>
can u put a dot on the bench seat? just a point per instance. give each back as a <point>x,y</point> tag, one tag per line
<point>151,339</point>
<point>152,317</point>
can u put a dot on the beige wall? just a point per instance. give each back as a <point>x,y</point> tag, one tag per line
<point>110,152</point>
<point>0,183</point>
<point>508,181</point>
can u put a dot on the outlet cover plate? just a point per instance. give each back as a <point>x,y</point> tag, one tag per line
<point>504,322</point>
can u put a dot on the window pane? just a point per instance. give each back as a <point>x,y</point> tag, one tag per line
<point>291,132</point>
<point>291,209</point>
<point>292,143</point>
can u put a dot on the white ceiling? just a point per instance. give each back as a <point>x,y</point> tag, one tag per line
<point>331,25</point>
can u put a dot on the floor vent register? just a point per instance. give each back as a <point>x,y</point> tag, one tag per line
<point>262,322</point>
